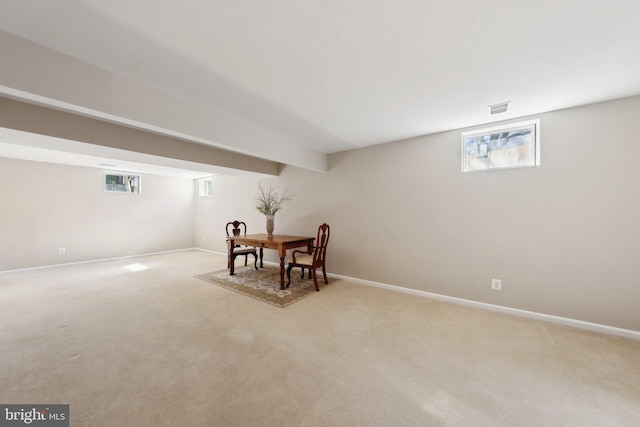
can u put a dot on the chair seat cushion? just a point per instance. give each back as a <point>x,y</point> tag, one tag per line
<point>304,259</point>
<point>243,250</point>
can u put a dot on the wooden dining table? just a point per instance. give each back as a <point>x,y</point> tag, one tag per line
<point>279,242</point>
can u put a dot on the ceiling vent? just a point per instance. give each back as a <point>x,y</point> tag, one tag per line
<point>499,108</point>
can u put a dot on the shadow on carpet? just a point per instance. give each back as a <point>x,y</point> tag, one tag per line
<point>264,284</point>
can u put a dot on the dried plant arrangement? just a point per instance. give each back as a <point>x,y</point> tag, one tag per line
<point>269,201</point>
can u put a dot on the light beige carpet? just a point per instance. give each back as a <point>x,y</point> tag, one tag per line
<point>142,342</point>
<point>264,284</point>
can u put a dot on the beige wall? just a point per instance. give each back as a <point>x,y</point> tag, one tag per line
<point>563,237</point>
<point>46,206</point>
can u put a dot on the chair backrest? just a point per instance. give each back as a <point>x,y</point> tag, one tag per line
<point>238,227</point>
<point>321,244</point>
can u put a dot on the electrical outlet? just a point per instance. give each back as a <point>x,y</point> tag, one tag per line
<point>496,284</point>
<point>62,251</point>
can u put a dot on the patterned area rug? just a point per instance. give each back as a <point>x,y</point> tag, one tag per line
<point>264,284</point>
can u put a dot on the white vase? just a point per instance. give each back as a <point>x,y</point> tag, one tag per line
<point>270,225</point>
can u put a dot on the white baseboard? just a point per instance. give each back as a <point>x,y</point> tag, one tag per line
<point>97,260</point>
<point>594,327</point>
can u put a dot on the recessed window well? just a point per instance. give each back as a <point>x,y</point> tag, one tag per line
<point>121,183</point>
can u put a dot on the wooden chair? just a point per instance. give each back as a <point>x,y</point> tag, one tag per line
<point>238,227</point>
<point>312,260</point>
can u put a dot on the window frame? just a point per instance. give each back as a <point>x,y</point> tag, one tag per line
<point>136,189</point>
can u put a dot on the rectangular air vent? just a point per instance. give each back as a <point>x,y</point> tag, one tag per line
<point>499,108</point>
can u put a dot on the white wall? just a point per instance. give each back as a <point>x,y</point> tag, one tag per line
<point>47,206</point>
<point>564,237</point>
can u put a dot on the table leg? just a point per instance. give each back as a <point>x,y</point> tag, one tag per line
<point>231,260</point>
<point>261,265</point>
<point>282,273</point>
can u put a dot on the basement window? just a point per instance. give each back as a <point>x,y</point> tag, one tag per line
<point>205,187</point>
<point>121,183</point>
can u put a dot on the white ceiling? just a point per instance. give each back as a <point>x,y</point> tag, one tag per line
<point>293,80</point>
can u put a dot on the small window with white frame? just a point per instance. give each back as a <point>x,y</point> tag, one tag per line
<point>121,182</point>
<point>513,145</point>
<point>205,187</point>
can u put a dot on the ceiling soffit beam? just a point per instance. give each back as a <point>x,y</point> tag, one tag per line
<point>43,76</point>
<point>40,120</point>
